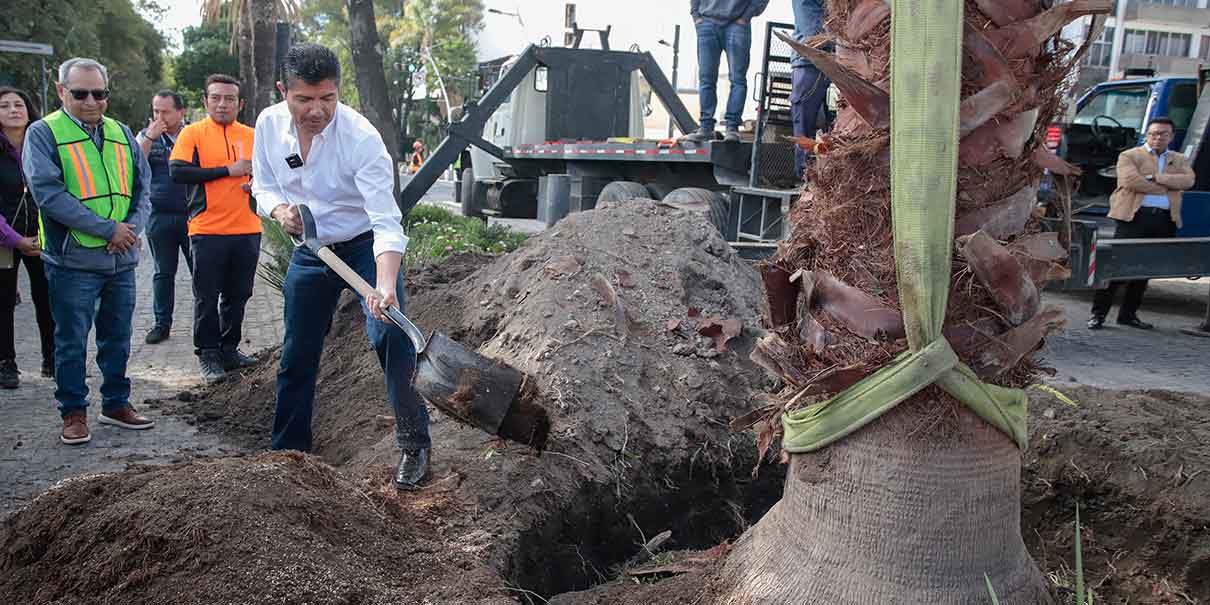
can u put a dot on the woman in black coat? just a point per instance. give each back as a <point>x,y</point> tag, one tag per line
<point>19,231</point>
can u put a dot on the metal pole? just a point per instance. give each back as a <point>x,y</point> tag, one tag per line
<point>676,60</point>
<point>1119,37</point>
<point>44,91</point>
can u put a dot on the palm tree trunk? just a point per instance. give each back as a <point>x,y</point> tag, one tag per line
<point>895,513</point>
<point>371,78</point>
<point>247,66</point>
<point>918,505</point>
<point>264,55</point>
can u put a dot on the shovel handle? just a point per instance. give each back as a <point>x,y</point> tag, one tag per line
<point>366,291</point>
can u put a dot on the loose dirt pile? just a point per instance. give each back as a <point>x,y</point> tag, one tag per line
<point>635,320</point>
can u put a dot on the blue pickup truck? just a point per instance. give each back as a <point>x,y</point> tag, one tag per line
<point>1108,119</point>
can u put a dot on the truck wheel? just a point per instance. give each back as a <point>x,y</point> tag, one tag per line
<point>711,204</point>
<point>466,192</point>
<point>622,191</point>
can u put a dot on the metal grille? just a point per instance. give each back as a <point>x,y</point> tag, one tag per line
<point>773,164</point>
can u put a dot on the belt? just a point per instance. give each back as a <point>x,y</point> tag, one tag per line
<point>368,236</point>
<point>1155,210</point>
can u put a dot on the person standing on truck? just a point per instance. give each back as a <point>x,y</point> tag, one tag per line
<point>167,231</point>
<point>1146,203</point>
<point>214,157</point>
<point>723,26</point>
<point>809,85</point>
<point>312,149</point>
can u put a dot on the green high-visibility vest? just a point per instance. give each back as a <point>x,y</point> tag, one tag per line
<point>101,179</point>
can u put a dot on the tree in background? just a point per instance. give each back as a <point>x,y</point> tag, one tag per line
<point>371,79</point>
<point>253,39</point>
<point>110,31</point>
<point>206,51</point>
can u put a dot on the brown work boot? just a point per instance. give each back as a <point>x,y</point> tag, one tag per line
<point>75,428</point>
<point>126,418</point>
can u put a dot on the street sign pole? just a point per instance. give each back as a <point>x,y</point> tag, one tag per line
<point>32,48</point>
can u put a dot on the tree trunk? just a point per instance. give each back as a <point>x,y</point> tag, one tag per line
<point>895,513</point>
<point>918,505</point>
<point>247,66</point>
<point>371,79</point>
<point>264,55</point>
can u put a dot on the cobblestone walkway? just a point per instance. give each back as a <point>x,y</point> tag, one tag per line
<point>31,456</point>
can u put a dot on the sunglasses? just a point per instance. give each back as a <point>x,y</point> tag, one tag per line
<point>99,94</point>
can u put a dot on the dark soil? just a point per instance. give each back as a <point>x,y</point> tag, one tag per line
<point>601,312</point>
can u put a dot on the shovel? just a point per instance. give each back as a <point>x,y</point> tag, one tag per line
<point>467,386</point>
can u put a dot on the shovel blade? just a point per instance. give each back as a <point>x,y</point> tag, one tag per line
<point>466,385</point>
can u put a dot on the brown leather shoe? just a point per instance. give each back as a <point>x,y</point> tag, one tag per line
<point>126,418</point>
<point>75,428</point>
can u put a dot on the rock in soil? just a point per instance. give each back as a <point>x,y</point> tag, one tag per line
<point>639,445</point>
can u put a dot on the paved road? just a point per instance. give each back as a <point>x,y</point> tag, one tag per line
<point>31,456</point>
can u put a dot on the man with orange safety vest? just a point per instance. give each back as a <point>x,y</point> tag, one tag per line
<point>214,157</point>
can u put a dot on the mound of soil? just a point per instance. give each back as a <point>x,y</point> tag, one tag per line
<point>1138,465</point>
<point>634,321</point>
<point>280,527</point>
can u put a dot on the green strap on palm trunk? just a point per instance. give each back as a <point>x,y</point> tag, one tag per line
<point>926,71</point>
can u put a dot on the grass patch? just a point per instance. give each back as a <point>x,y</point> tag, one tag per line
<point>433,234</point>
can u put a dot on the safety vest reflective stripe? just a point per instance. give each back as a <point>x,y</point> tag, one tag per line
<point>83,172</point>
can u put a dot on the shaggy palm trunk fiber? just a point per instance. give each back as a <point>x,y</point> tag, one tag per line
<point>920,504</point>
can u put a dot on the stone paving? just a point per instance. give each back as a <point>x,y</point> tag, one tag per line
<point>31,456</point>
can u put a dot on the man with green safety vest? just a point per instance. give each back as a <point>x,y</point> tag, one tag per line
<point>91,181</point>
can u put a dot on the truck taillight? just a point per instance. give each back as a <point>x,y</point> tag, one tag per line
<point>1053,135</point>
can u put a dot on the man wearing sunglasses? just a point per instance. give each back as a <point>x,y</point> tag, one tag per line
<point>91,182</point>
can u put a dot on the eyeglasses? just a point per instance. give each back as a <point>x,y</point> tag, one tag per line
<point>99,94</point>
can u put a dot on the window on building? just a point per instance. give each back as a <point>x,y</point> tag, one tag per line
<point>1204,53</point>
<point>1166,44</point>
<point>1185,3</point>
<point>1100,52</point>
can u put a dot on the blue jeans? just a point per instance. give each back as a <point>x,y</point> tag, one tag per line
<point>808,93</point>
<point>312,291</point>
<point>713,39</point>
<point>77,299</point>
<point>166,234</point>
<point>808,21</point>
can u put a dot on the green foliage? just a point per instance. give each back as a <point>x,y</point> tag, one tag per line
<point>206,51</point>
<point>433,234</point>
<point>110,31</point>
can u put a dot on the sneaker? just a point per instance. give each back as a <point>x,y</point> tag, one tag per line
<point>1096,322</point>
<point>157,335</point>
<point>9,374</point>
<point>234,360</point>
<point>699,136</point>
<point>731,135</point>
<point>48,368</point>
<point>75,428</point>
<point>126,418</point>
<point>1134,322</point>
<point>211,363</point>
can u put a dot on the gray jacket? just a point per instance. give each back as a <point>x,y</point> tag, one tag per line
<point>726,11</point>
<point>62,211</point>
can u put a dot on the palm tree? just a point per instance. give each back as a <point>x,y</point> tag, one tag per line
<point>916,505</point>
<point>254,35</point>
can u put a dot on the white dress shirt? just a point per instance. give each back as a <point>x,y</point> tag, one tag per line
<point>1156,200</point>
<point>346,181</point>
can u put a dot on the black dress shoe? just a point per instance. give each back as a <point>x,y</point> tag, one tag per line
<point>156,335</point>
<point>48,369</point>
<point>1096,322</point>
<point>413,466</point>
<point>1135,322</point>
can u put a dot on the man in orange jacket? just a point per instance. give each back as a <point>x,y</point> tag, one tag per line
<point>214,157</point>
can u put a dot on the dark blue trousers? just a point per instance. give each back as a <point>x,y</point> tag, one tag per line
<point>168,237</point>
<point>312,291</point>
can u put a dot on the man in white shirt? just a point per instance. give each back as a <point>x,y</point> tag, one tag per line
<point>313,150</point>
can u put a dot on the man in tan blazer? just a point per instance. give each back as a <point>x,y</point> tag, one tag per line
<point>1146,203</point>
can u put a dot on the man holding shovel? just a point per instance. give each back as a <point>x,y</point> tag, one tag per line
<point>313,150</point>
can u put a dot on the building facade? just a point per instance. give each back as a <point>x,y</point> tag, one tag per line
<point>1171,37</point>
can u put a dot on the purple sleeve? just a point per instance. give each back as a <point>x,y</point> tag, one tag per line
<point>9,238</point>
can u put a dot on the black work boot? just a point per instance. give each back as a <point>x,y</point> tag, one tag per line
<point>10,376</point>
<point>700,136</point>
<point>413,466</point>
<point>234,360</point>
<point>211,363</point>
<point>157,335</point>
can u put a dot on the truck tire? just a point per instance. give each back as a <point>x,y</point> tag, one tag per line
<point>622,191</point>
<point>711,204</point>
<point>467,190</point>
